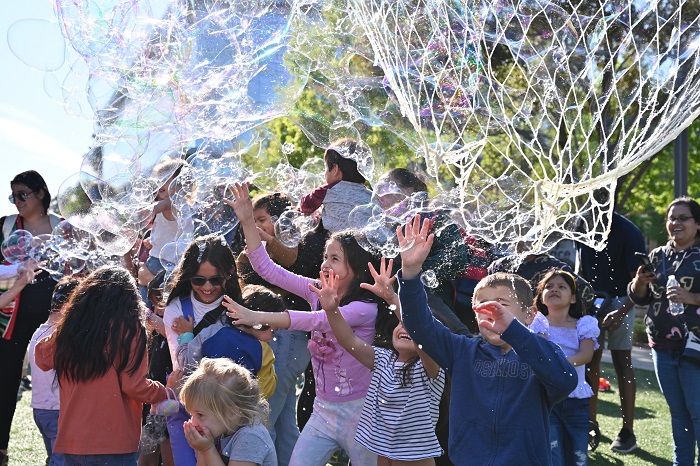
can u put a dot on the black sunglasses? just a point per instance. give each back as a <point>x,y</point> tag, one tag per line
<point>20,196</point>
<point>216,280</point>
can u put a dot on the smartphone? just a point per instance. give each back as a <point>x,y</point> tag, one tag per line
<point>644,261</point>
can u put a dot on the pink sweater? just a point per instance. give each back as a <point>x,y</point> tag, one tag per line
<point>339,376</point>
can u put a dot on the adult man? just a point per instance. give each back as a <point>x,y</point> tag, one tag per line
<point>609,271</point>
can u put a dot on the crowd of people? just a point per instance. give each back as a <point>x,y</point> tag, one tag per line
<point>202,366</point>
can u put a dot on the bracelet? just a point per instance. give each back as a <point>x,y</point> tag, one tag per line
<point>185,338</point>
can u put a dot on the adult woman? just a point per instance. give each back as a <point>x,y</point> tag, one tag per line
<point>678,377</point>
<point>31,198</point>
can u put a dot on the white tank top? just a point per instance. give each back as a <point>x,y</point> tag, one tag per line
<point>164,231</point>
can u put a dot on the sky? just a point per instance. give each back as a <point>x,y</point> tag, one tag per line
<point>36,133</point>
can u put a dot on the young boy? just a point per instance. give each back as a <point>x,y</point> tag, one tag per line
<point>505,382</point>
<point>45,402</point>
<point>344,189</point>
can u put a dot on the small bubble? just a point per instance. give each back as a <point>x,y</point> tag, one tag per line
<point>392,307</point>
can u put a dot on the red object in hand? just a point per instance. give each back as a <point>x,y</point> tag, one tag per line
<point>603,385</point>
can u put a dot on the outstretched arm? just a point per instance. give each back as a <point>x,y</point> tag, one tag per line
<point>24,278</point>
<point>329,299</point>
<point>415,245</point>
<point>244,316</point>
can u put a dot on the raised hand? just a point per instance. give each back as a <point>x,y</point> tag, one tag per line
<point>499,318</point>
<point>415,245</point>
<point>383,285</point>
<point>328,293</point>
<point>241,202</point>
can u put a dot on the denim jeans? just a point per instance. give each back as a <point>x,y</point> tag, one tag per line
<point>124,459</point>
<point>679,381</point>
<point>47,422</point>
<point>569,432</point>
<point>291,358</point>
<point>332,426</point>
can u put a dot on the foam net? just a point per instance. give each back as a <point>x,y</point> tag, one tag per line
<point>523,114</point>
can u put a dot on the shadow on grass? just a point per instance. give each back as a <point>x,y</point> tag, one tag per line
<point>606,458</point>
<point>612,409</point>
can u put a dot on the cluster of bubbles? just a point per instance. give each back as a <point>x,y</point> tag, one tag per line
<point>518,112</point>
<point>66,250</point>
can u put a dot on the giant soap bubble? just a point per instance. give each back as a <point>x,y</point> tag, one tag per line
<point>522,112</point>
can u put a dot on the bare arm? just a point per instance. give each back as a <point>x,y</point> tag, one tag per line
<point>244,316</point>
<point>26,277</point>
<point>585,353</point>
<point>164,207</point>
<point>329,299</point>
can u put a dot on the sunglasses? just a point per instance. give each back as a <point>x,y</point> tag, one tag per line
<point>20,196</point>
<point>216,280</point>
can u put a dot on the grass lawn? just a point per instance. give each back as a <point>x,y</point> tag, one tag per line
<point>652,427</point>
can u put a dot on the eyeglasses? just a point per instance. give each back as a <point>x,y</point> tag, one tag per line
<point>216,280</point>
<point>20,196</point>
<point>680,218</point>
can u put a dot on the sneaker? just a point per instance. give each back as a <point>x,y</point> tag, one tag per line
<point>593,435</point>
<point>4,459</point>
<point>625,442</point>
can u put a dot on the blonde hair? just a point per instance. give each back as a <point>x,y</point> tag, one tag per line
<point>224,387</point>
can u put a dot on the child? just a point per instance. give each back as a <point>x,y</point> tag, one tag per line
<point>505,383</point>
<point>341,380</point>
<point>401,409</point>
<point>45,395</point>
<point>559,299</point>
<point>164,228</point>
<point>344,189</point>
<point>98,351</point>
<point>228,415</point>
<point>207,271</point>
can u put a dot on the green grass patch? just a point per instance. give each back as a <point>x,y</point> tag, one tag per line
<point>652,426</point>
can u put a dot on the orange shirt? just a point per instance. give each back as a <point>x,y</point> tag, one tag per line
<point>101,416</point>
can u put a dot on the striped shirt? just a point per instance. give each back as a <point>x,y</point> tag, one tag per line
<point>399,422</point>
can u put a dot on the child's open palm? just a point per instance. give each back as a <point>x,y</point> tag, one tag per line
<point>328,293</point>
<point>240,314</point>
<point>241,202</point>
<point>415,245</point>
<point>383,285</point>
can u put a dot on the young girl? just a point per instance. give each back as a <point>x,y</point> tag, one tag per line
<point>341,380</point>
<point>562,320</point>
<point>228,415</point>
<point>206,272</point>
<point>401,409</point>
<point>98,351</point>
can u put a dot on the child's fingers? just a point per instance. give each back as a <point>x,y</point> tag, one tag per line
<point>390,267</point>
<point>373,271</point>
<point>313,288</point>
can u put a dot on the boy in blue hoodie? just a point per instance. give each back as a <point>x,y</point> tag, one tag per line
<point>505,382</point>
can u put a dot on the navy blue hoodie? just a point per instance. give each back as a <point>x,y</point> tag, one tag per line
<point>500,403</point>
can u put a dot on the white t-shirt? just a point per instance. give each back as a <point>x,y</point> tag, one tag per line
<point>174,310</point>
<point>44,383</point>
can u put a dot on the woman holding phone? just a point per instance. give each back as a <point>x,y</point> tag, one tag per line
<point>678,377</point>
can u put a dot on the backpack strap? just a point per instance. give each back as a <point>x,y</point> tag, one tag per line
<point>208,319</point>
